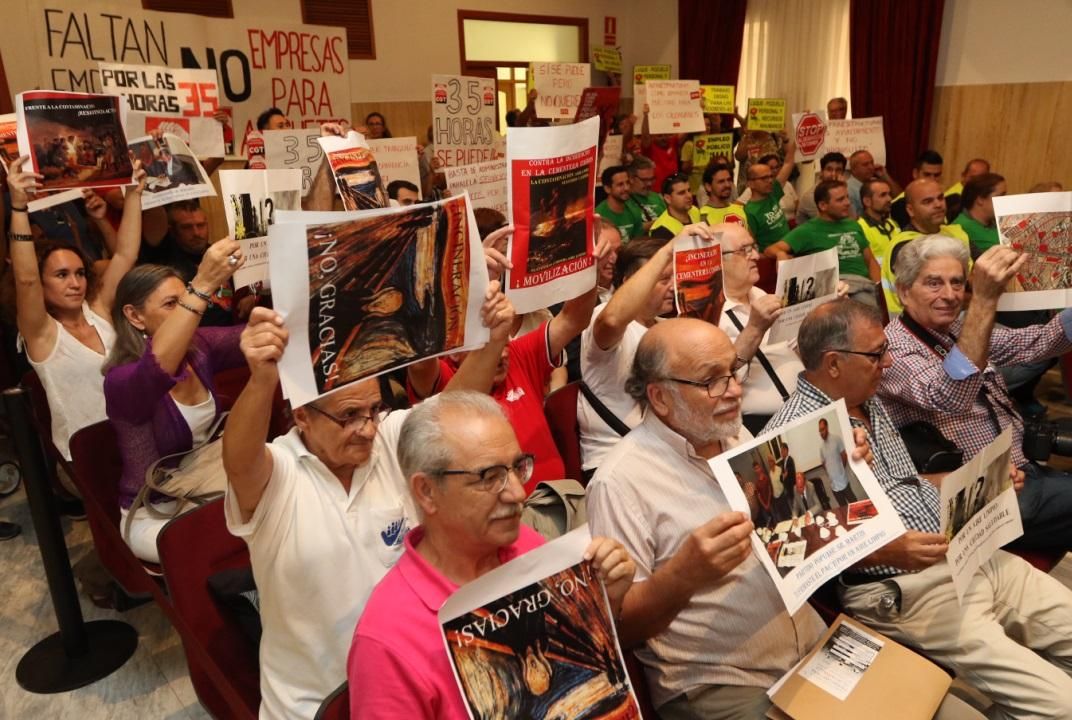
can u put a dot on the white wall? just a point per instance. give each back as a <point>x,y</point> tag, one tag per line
<point>987,42</point>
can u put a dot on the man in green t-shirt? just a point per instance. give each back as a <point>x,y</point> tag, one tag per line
<point>766,219</point>
<point>718,181</point>
<point>977,215</point>
<point>641,178</point>
<point>835,228</point>
<point>617,209</point>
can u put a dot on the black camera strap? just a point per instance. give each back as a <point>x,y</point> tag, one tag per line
<point>763,361</point>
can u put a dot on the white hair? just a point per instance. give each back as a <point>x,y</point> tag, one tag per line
<point>914,254</point>
<point>421,443</point>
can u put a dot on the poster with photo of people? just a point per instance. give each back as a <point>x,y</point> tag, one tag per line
<point>173,172</point>
<point>803,284</point>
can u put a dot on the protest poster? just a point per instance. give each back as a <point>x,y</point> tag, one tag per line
<point>366,293</point>
<point>173,172</point>
<point>854,671</point>
<point>301,69</point>
<point>463,119</point>
<point>607,59</point>
<point>396,159</point>
<point>766,114</point>
<point>535,638</point>
<point>203,135</point>
<point>485,182</point>
<point>848,136</point>
<point>643,73</point>
<point>558,87</point>
<point>250,200</point>
<point>674,107</point>
<point>75,140</point>
<point>709,147</point>
<point>718,99</point>
<point>803,284</point>
<point>612,153</point>
<point>798,542</point>
<point>294,149</point>
<point>698,278</point>
<point>1040,226</point>
<point>809,130</point>
<point>601,102</point>
<point>9,141</point>
<point>979,510</point>
<point>551,175</point>
<point>357,176</point>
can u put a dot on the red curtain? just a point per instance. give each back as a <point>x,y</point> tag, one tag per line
<point>709,37</point>
<point>893,50</point>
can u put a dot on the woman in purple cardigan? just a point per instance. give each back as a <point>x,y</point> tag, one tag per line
<point>158,384</point>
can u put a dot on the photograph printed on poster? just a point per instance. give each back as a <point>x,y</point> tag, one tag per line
<point>558,219</point>
<point>358,178</point>
<point>9,141</point>
<point>1046,238</point>
<point>75,139</point>
<point>802,491</point>
<point>698,291</point>
<point>547,650</point>
<point>802,289</point>
<point>387,290</point>
<point>173,172</point>
<point>970,500</point>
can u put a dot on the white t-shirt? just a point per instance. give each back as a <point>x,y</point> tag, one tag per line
<point>317,553</point>
<point>198,417</point>
<point>761,397</point>
<point>605,373</point>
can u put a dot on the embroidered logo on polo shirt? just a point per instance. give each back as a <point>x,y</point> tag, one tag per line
<point>515,394</point>
<point>392,535</point>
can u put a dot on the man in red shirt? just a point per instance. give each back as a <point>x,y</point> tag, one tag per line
<point>661,150</point>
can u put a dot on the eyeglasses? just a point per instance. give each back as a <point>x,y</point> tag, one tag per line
<point>745,250</point>
<point>717,387</point>
<point>354,420</point>
<point>494,478</point>
<point>874,357</point>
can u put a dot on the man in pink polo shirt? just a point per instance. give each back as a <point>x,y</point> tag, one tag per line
<point>466,474</point>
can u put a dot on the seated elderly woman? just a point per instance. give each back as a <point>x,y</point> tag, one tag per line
<point>63,316</point>
<point>323,509</point>
<point>466,474</point>
<point>158,383</point>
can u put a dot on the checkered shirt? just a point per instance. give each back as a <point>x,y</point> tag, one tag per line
<point>918,387</point>
<point>917,501</point>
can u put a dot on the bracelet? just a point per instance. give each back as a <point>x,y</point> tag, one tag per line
<point>19,237</point>
<point>191,308</point>
<point>194,291</point>
<point>20,209</point>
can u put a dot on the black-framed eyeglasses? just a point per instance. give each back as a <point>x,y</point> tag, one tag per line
<point>495,477</point>
<point>744,250</point>
<point>355,420</point>
<point>875,356</point>
<point>717,387</point>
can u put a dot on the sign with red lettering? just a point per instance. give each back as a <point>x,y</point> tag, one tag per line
<point>601,102</point>
<point>558,87</point>
<point>463,119</point>
<point>301,69</point>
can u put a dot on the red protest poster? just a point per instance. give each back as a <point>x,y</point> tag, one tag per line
<point>601,102</point>
<point>698,280</point>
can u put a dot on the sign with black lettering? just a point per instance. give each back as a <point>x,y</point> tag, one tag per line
<point>463,119</point>
<point>294,148</point>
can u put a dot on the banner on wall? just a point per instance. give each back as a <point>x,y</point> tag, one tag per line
<point>463,119</point>
<point>301,69</point>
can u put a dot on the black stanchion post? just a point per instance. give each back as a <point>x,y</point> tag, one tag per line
<point>80,653</point>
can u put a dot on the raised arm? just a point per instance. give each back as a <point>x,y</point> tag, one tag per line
<point>128,242</point>
<point>34,323</point>
<point>779,251</point>
<point>97,210</point>
<point>645,131</point>
<point>477,371</point>
<point>322,191</point>
<point>576,314</point>
<point>764,311</point>
<point>246,458</point>
<point>790,161</point>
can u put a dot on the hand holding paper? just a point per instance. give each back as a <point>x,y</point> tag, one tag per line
<point>764,311</point>
<point>713,550</point>
<point>913,551</point>
<point>263,342</point>
<point>22,182</point>
<point>613,566</point>
<point>993,270</point>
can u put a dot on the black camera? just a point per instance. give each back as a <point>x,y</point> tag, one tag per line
<point>1042,439</point>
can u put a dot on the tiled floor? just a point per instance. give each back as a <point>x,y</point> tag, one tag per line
<point>154,683</point>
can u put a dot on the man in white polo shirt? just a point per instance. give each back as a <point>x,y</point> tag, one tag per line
<point>324,510</point>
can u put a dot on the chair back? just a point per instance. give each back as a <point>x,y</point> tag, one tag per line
<point>560,408</point>
<point>336,706</point>
<point>768,273</point>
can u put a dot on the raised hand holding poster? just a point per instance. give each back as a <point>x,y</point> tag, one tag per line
<point>250,200</point>
<point>357,175</point>
<point>173,171</point>
<point>1039,225</point>
<point>698,278</point>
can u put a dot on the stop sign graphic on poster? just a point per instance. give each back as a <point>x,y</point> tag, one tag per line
<point>811,131</point>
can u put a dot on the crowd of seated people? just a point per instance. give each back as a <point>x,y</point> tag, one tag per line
<point>379,502</point>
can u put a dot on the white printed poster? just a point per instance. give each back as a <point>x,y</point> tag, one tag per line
<point>463,119</point>
<point>294,149</point>
<point>839,665</point>
<point>540,631</point>
<point>979,510</point>
<point>396,159</point>
<point>551,176</point>
<point>173,172</point>
<point>781,478</point>
<point>1040,226</point>
<point>203,135</point>
<point>357,175</point>
<point>558,88</point>
<point>674,107</point>
<point>485,182</point>
<point>366,293</point>
<point>158,90</point>
<point>612,153</point>
<point>250,200</point>
<point>803,284</point>
<point>848,136</point>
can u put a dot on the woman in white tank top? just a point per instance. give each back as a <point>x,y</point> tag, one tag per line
<point>62,315</point>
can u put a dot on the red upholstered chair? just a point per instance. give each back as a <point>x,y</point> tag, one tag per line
<point>768,273</point>
<point>42,417</point>
<point>1044,560</point>
<point>222,661</point>
<point>640,685</point>
<point>560,408</point>
<point>336,706</point>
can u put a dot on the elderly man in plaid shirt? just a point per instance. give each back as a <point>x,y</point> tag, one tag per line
<point>1012,638</point>
<point>946,369</point>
